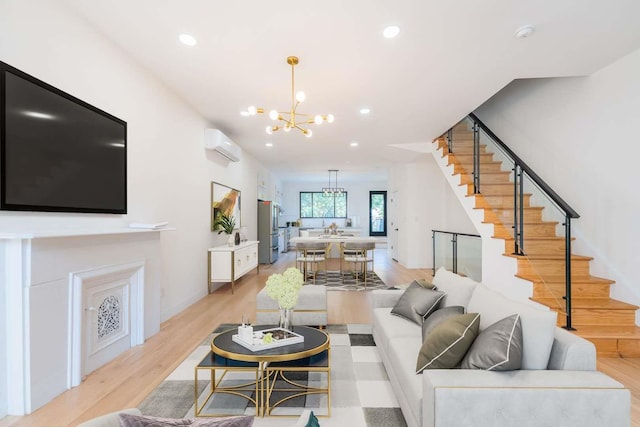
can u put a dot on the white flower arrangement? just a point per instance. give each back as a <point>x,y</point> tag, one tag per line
<point>284,287</point>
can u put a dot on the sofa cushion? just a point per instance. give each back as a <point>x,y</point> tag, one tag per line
<point>497,348</point>
<point>448,342</point>
<point>457,288</point>
<point>128,420</point>
<point>538,326</point>
<point>438,317</point>
<point>417,302</point>
<point>389,326</point>
<point>402,356</point>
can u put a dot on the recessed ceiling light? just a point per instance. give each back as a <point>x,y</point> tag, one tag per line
<point>391,31</point>
<point>354,144</point>
<point>269,144</point>
<point>524,32</point>
<point>188,39</point>
<point>365,110</point>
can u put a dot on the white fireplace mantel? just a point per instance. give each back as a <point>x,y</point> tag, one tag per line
<point>34,276</point>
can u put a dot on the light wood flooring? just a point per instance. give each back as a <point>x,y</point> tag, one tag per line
<point>127,380</point>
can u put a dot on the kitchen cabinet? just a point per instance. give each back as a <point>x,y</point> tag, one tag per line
<point>229,263</point>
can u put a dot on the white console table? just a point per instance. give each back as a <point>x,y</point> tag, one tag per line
<point>229,263</point>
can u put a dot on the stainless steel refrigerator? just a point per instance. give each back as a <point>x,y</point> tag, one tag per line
<point>267,232</point>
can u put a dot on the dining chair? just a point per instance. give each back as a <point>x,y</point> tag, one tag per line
<point>359,255</point>
<point>309,256</point>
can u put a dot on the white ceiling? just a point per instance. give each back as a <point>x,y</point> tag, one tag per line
<point>449,57</point>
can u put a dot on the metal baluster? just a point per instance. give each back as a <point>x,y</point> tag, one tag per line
<point>454,242</point>
<point>567,272</point>
<point>476,158</point>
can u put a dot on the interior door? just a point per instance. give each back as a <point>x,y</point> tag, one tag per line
<point>392,213</point>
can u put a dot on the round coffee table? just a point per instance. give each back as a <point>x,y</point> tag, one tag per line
<point>311,355</point>
<point>315,341</point>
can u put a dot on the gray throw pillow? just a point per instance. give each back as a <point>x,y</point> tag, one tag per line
<point>425,284</point>
<point>416,303</point>
<point>128,420</point>
<point>438,317</point>
<point>448,342</point>
<point>497,348</point>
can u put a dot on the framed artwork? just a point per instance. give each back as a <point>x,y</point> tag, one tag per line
<point>226,200</point>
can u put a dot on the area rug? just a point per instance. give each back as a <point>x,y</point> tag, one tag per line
<point>361,394</point>
<point>335,281</point>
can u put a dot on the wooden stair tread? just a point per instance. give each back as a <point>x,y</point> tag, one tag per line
<point>588,303</point>
<point>506,224</point>
<point>561,279</point>
<point>526,208</point>
<point>537,238</point>
<point>541,257</point>
<point>608,332</point>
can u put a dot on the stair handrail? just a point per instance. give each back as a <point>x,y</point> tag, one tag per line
<point>520,168</point>
<point>534,176</point>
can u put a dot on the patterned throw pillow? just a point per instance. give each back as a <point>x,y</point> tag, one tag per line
<point>497,348</point>
<point>128,420</point>
<point>417,302</point>
<point>448,342</point>
<point>438,317</point>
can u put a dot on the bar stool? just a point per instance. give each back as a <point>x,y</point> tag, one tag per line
<point>309,256</point>
<point>359,254</point>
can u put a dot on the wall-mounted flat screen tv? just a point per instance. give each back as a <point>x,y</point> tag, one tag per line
<point>58,153</point>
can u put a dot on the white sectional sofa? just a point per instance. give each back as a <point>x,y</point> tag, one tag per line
<point>558,385</point>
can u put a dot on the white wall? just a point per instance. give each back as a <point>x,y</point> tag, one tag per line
<point>426,203</point>
<point>580,135</point>
<point>3,342</point>
<point>169,172</point>
<point>357,202</point>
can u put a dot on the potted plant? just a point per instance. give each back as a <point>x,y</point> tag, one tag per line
<point>284,289</point>
<point>225,224</point>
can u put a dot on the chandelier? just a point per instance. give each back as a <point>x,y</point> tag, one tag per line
<point>291,119</point>
<point>333,190</point>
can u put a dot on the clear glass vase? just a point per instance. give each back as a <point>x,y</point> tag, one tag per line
<point>286,319</point>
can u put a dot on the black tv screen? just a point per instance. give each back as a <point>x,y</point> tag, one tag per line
<point>58,153</point>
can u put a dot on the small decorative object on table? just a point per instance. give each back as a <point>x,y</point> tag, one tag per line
<point>284,289</point>
<point>333,228</point>
<point>268,338</point>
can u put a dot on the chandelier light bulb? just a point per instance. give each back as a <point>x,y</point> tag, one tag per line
<point>269,130</point>
<point>308,133</point>
<point>273,115</point>
<point>287,127</point>
<point>252,110</point>
<point>391,31</point>
<point>300,96</point>
<point>318,119</point>
<point>330,118</point>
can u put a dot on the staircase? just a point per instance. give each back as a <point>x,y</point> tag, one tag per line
<point>608,323</point>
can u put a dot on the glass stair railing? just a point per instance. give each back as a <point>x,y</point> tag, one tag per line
<point>534,220</point>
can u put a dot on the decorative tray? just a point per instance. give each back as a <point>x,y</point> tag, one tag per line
<point>280,337</point>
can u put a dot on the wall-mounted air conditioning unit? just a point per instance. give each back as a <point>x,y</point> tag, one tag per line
<point>221,144</point>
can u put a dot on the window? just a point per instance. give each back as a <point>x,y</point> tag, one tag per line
<point>377,213</point>
<point>319,205</point>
